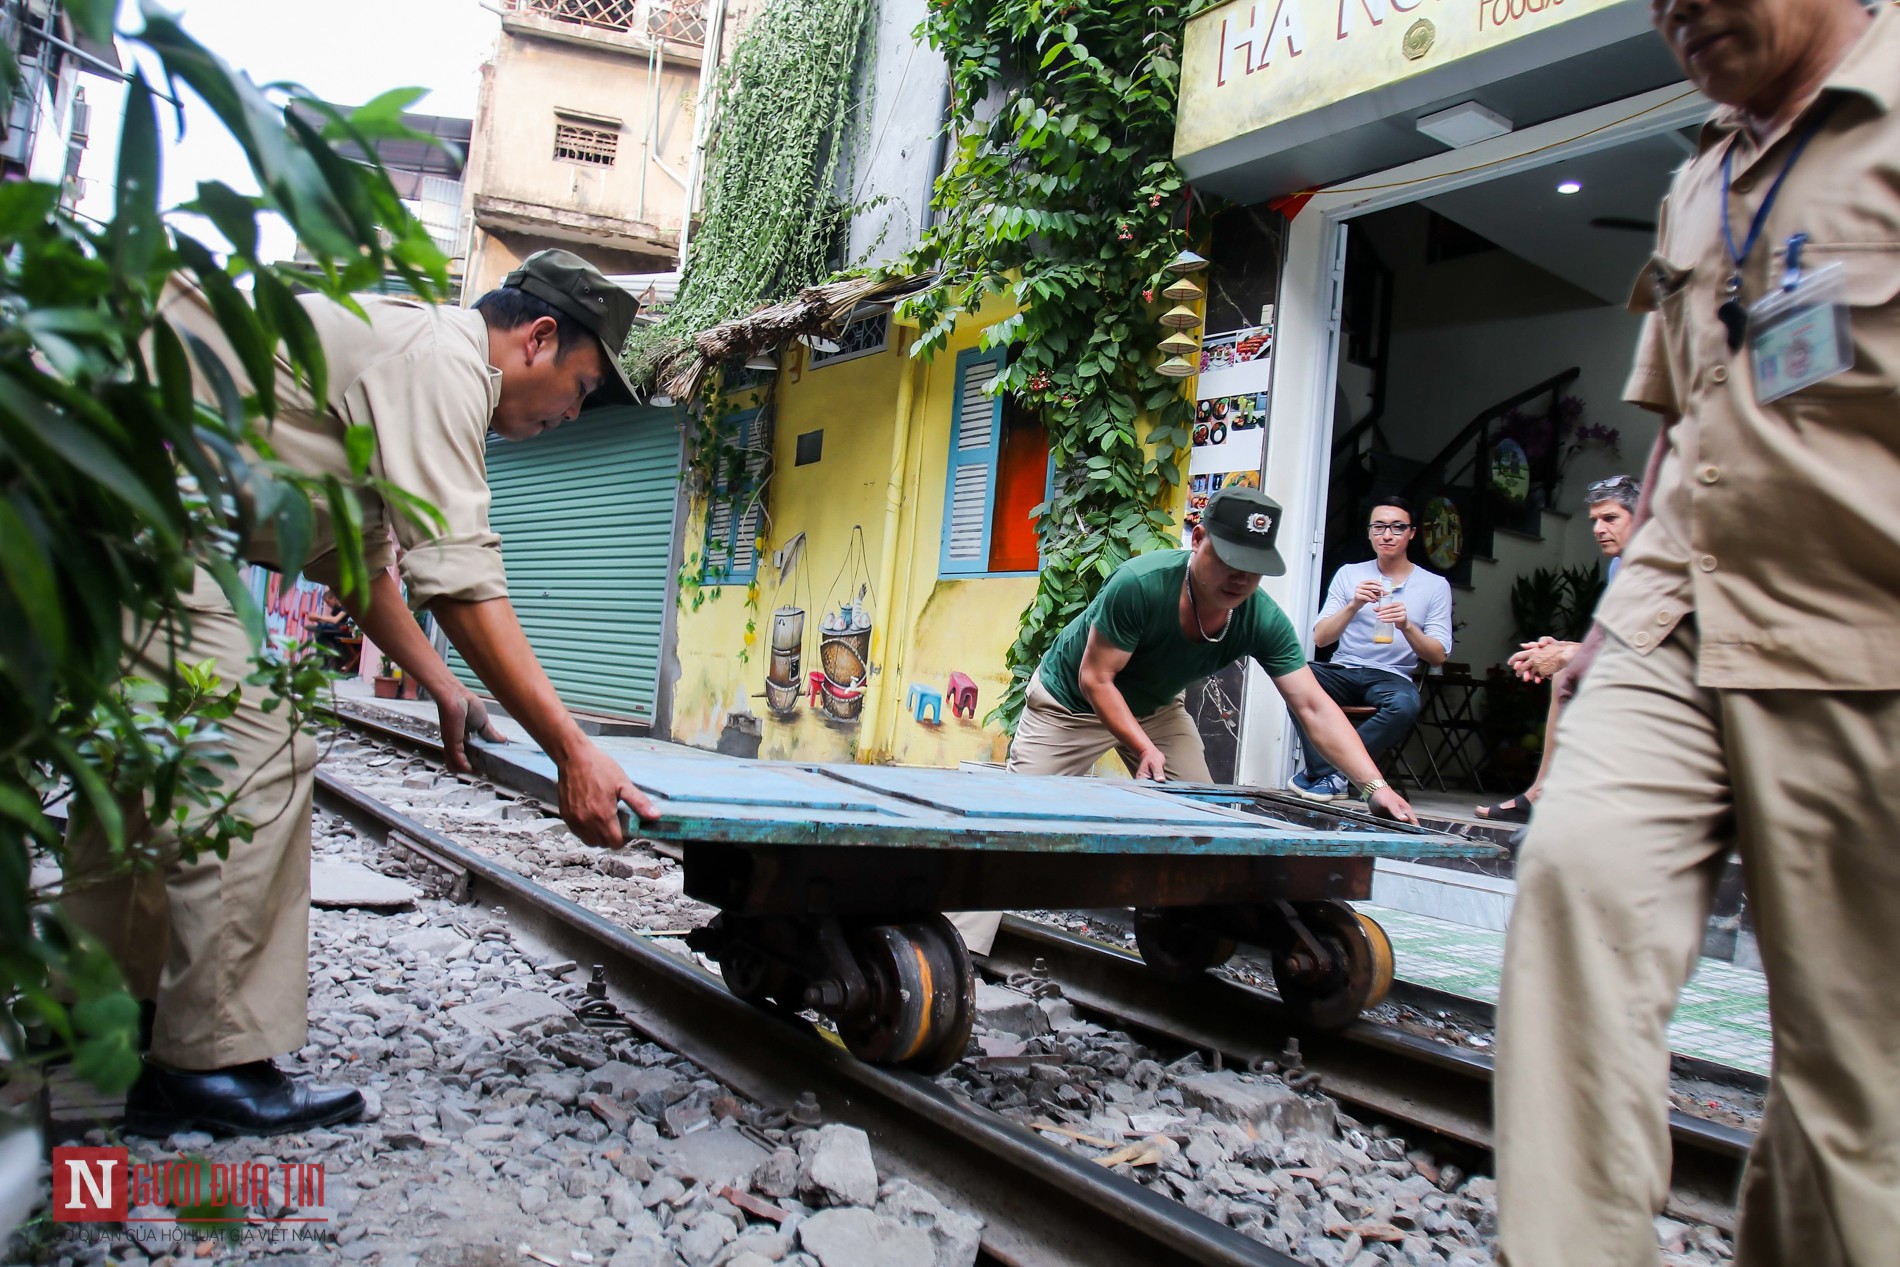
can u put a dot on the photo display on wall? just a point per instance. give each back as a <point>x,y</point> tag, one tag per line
<point>1229,431</point>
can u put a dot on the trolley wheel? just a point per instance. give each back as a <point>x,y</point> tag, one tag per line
<point>1356,976</point>
<point>923,996</point>
<point>1177,949</point>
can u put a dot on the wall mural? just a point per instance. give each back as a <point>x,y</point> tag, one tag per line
<point>835,688</point>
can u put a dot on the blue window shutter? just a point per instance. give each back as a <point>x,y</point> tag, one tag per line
<point>733,510</point>
<point>976,434</point>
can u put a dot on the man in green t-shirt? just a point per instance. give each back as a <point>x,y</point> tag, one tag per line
<point>1114,678</point>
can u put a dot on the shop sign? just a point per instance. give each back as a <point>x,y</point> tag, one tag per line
<point>1252,64</point>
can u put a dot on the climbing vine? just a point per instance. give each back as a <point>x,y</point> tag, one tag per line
<point>1061,193</point>
<point>772,209</point>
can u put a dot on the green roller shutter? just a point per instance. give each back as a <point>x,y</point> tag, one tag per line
<point>586,522</point>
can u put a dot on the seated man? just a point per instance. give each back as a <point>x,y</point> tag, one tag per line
<point>1386,614</point>
<point>1114,678</point>
<point>1612,505</point>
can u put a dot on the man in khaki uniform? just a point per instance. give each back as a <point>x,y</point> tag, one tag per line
<point>1747,694</point>
<point>222,944</point>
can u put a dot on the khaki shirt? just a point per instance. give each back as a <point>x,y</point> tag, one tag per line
<point>418,374</point>
<point>1777,525</point>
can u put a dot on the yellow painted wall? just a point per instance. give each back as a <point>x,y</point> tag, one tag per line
<point>924,629</point>
<point>855,404</point>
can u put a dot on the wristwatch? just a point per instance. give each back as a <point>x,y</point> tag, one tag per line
<point>1367,788</point>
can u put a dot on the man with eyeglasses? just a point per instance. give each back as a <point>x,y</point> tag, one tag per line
<point>1387,615</point>
<point>1612,506</point>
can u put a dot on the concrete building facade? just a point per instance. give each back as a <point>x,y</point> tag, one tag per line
<point>585,134</point>
<point>44,124</point>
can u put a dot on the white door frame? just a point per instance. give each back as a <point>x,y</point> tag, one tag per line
<point>1306,354</point>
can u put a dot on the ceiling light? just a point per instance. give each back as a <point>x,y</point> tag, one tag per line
<point>1570,187</point>
<point>1464,124</point>
<point>765,361</point>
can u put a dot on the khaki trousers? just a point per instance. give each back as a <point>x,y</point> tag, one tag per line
<point>221,944</point>
<point>1052,740</point>
<point>1655,780</point>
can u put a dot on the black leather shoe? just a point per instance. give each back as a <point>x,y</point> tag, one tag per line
<point>254,1099</point>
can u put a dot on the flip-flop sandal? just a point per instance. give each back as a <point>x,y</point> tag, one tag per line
<point>1515,810</point>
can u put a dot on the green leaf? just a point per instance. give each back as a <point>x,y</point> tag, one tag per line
<point>236,319</point>
<point>299,333</point>
<point>233,214</point>
<point>25,207</point>
<point>135,235</point>
<point>29,574</point>
<point>27,422</point>
<point>173,372</point>
<point>359,441</point>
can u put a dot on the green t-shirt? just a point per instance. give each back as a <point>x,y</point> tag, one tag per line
<point>1139,611</point>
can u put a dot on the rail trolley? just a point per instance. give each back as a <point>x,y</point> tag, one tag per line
<point>831,879</point>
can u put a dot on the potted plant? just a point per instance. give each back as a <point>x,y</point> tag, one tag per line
<point>389,683</point>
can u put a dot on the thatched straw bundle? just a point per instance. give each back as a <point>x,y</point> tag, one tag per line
<point>821,311</point>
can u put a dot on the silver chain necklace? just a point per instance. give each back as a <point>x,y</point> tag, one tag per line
<point>1187,578</point>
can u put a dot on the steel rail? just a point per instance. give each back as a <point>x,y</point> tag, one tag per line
<point>1376,1068</point>
<point>1040,1203</point>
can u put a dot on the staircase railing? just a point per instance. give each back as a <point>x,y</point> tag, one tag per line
<point>1474,443</point>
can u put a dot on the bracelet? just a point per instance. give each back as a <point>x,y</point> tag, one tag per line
<point>1368,788</point>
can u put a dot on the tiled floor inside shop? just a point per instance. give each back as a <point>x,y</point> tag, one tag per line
<point>1723,1016</point>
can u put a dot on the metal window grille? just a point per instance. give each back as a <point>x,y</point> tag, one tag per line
<point>683,21</point>
<point>861,336</point>
<point>605,15</point>
<point>580,143</point>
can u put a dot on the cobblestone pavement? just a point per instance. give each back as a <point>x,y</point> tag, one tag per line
<point>502,1132</point>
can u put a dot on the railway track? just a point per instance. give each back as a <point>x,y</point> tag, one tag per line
<point>1039,1198</point>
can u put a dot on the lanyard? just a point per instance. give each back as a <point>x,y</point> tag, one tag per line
<point>1760,219</point>
<point>1731,312</point>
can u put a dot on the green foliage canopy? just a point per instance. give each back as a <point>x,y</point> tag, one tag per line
<point>772,209</point>
<point>116,484</point>
<point>1061,193</point>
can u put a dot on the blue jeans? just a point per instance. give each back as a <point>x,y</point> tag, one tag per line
<point>1395,697</point>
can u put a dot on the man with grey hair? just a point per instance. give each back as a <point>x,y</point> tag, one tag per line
<point>1747,691</point>
<point>1612,505</point>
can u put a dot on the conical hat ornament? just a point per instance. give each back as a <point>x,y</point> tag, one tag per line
<point>1177,367</point>
<point>1180,343</point>
<point>1186,262</point>
<point>1183,291</point>
<point>1181,317</point>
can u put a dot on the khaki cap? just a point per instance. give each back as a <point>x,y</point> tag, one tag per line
<point>565,281</point>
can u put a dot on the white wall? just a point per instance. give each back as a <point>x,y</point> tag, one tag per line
<point>894,137</point>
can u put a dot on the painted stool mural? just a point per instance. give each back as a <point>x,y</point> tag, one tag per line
<point>962,692</point>
<point>922,697</point>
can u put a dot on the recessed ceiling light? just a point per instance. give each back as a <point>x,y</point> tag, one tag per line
<point>1570,187</point>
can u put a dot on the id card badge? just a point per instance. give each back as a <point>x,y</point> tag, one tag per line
<point>1799,333</point>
